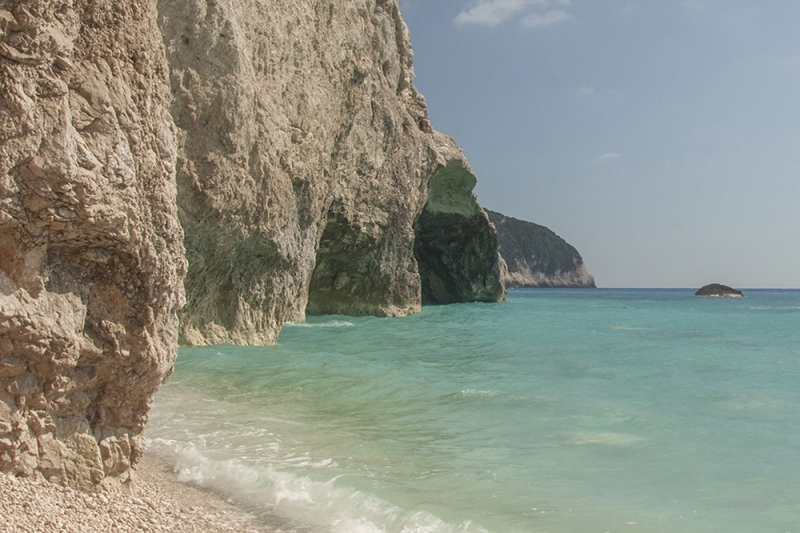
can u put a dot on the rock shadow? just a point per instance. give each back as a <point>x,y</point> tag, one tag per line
<point>455,244</point>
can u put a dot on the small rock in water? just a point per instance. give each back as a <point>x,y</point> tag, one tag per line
<point>716,289</point>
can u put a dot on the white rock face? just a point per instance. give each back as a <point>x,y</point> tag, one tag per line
<point>305,158</point>
<point>91,258</point>
<point>523,276</point>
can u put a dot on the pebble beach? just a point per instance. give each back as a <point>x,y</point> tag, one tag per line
<point>155,502</point>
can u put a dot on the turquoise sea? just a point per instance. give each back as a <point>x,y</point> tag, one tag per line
<point>560,411</point>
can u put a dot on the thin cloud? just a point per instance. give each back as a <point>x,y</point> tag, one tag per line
<point>493,12</point>
<point>542,20</point>
<point>610,156</point>
<point>585,91</point>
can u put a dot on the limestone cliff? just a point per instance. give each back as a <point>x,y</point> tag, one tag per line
<point>90,246</point>
<point>305,163</point>
<point>534,256</point>
<point>308,180</point>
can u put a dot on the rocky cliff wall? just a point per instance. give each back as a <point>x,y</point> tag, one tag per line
<point>306,157</point>
<point>91,258</point>
<point>308,176</point>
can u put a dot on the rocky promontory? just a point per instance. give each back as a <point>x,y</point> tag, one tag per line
<point>715,289</point>
<point>303,171</point>
<point>535,257</point>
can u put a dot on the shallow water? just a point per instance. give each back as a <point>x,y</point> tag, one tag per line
<point>559,411</point>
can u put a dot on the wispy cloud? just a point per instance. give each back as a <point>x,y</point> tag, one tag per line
<point>541,20</point>
<point>610,156</point>
<point>585,91</point>
<point>535,13</point>
<point>491,12</point>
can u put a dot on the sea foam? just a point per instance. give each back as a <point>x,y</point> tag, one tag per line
<point>331,324</point>
<point>297,503</point>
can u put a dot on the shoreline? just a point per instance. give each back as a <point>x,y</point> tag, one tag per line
<point>156,501</point>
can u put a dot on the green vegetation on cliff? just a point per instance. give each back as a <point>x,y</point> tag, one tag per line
<point>537,257</point>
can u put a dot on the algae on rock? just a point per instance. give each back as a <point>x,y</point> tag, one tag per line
<point>455,246</point>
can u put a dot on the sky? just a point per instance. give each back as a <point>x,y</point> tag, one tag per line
<point>661,138</point>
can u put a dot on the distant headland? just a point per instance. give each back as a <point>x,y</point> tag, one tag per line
<point>535,257</point>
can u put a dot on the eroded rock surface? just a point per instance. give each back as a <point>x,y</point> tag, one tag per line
<point>305,159</point>
<point>524,276</point>
<point>91,258</point>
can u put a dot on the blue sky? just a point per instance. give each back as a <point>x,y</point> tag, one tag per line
<point>661,138</point>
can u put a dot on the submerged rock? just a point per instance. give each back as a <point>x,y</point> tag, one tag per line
<point>91,255</point>
<point>715,289</point>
